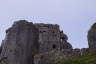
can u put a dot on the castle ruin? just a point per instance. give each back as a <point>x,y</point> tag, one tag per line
<point>50,38</point>
<point>28,43</point>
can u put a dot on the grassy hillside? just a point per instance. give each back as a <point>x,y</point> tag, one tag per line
<point>89,58</point>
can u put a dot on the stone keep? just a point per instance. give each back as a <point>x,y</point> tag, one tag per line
<point>49,37</point>
<point>92,37</point>
<point>21,43</point>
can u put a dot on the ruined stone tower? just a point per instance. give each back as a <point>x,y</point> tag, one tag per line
<point>25,41</point>
<point>20,44</point>
<point>92,37</point>
<point>49,37</point>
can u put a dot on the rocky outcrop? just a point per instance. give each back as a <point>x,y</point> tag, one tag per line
<point>92,37</point>
<point>21,43</point>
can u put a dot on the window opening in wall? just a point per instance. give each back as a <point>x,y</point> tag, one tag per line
<point>44,31</point>
<point>41,57</point>
<point>53,46</point>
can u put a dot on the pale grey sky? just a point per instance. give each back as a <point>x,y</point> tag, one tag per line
<point>75,17</point>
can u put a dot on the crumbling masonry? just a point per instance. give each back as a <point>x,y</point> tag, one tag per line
<point>28,43</point>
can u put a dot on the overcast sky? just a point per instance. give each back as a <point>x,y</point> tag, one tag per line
<point>75,17</point>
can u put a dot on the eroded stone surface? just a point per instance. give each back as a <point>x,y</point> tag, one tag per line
<point>45,43</point>
<point>51,38</point>
<point>92,37</point>
<point>54,56</point>
<point>21,43</point>
<point>63,40</point>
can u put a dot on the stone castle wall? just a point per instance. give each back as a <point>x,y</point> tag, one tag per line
<point>54,56</point>
<point>28,43</point>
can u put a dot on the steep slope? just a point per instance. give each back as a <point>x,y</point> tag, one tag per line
<point>89,58</point>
